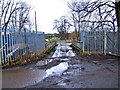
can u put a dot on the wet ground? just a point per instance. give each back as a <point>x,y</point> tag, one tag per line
<point>65,68</point>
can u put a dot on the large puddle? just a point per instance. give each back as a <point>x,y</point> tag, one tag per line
<point>21,78</point>
<point>63,50</point>
<point>25,77</point>
<point>57,70</point>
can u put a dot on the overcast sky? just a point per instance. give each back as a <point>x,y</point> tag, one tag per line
<point>47,11</point>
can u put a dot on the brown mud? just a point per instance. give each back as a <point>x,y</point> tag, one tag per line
<point>85,71</point>
<point>64,71</point>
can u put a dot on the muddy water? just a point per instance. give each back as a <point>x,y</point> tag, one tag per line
<point>21,78</point>
<point>57,70</point>
<point>24,77</point>
<point>63,50</point>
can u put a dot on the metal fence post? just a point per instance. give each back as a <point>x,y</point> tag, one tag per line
<point>12,42</point>
<point>83,35</point>
<point>4,46</point>
<point>0,49</point>
<point>118,40</point>
<point>7,46</point>
<point>0,58</point>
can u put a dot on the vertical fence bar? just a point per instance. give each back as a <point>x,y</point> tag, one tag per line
<point>1,47</point>
<point>96,41</point>
<point>19,44</point>
<point>4,45</point>
<point>14,44</point>
<point>23,33</point>
<point>25,51</point>
<point>83,41</point>
<point>89,41</point>
<point>13,41</point>
<point>7,46</point>
<point>102,41</point>
<point>99,41</point>
<point>10,44</point>
<point>105,42</point>
<point>92,41</point>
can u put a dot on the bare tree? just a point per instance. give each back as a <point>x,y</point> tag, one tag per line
<point>23,15</point>
<point>13,13</point>
<point>62,26</point>
<point>8,8</point>
<point>76,16</point>
<point>99,14</point>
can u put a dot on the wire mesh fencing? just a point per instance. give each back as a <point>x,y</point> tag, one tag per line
<point>16,44</point>
<point>99,41</point>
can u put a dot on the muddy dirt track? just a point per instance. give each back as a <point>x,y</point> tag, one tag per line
<point>66,68</point>
<point>85,71</point>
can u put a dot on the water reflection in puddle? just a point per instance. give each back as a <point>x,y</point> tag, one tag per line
<point>63,49</point>
<point>61,84</point>
<point>57,70</point>
<point>21,78</point>
<point>42,62</point>
<point>24,77</point>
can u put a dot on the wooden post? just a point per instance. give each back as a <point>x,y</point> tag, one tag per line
<point>105,42</point>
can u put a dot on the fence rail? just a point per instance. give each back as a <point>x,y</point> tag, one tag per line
<point>16,44</point>
<point>47,46</point>
<point>78,44</point>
